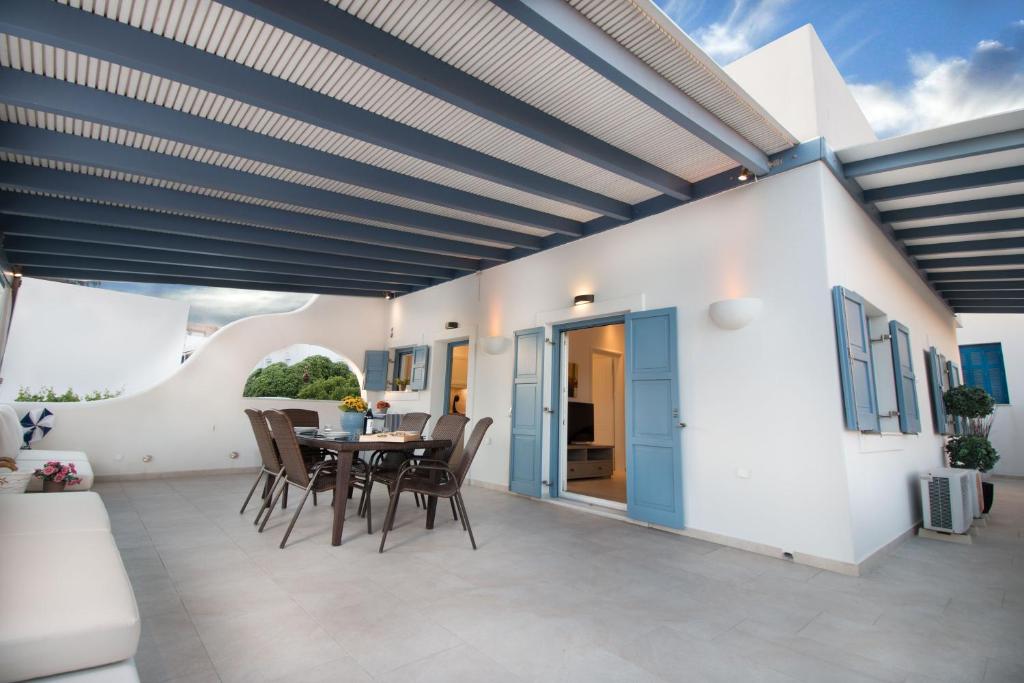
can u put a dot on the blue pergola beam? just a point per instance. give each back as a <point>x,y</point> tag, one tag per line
<point>954,208</point>
<point>1001,294</point>
<point>966,246</point>
<point>988,285</point>
<point>42,251</point>
<point>63,98</point>
<point>965,181</point>
<point>987,302</point>
<point>575,34</point>
<point>124,237</point>
<point>15,204</point>
<point>989,309</point>
<point>112,276</point>
<point>972,261</point>
<point>985,144</point>
<point>957,229</point>
<point>47,144</point>
<point>1007,274</point>
<point>30,259</point>
<point>338,31</point>
<point>96,188</point>
<point>88,34</point>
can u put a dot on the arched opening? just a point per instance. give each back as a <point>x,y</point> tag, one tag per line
<point>304,372</point>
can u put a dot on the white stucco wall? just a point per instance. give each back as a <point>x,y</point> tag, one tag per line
<point>1008,424</point>
<point>194,419</point>
<point>65,335</point>
<point>883,470</point>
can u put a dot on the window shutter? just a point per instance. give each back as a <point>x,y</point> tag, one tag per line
<point>420,355</point>
<point>856,370</point>
<point>906,381</point>
<point>375,370</point>
<point>935,373</point>
<point>983,367</point>
<point>953,372</point>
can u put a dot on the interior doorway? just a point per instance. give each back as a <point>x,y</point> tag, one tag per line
<point>593,452</point>
<point>457,378</point>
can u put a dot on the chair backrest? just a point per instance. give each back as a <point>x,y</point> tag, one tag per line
<point>476,437</point>
<point>287,446</point>
<point>451,427</point>
<point>413,422</point>
<point>264,441</point>
<point>302,417</point>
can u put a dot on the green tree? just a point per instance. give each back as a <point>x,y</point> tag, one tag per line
<point>332,389</point>
<point>303,380</point>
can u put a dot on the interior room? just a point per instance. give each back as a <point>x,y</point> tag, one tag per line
<point>595,419</point>
<point>458,378</point>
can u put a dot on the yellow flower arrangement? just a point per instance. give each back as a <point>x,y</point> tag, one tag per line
<point>352,404</point>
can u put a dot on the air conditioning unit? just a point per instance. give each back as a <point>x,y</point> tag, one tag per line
<point>946,498</point>
<point>974,490</point>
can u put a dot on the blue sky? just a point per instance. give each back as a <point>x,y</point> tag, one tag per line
<point>911,64</point>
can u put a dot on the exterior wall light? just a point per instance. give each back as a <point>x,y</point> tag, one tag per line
<point>734,314</point>
<point>494,345</point>
<point>744,175</point>
<point>583,299</point>
<point>389,295</point>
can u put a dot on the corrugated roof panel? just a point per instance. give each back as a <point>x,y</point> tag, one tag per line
<point>61,124</point>
<point>214,28</point>
<point>65,65</point>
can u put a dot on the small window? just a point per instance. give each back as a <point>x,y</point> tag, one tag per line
<point>403,366</point>
<point>983,367</point>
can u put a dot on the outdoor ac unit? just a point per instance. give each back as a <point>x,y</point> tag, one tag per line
<point>974,490</point>
<point>946,498</point>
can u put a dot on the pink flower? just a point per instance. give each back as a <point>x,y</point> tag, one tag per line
<point>48,470</point>
<point>59,477</point>
<point>71,466</point>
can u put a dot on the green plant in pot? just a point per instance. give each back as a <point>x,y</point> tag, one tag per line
<point>971,449</point>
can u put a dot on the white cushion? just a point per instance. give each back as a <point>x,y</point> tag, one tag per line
<point>52,512</point>
<point>122,672</point>
<point>11,434</point>
<point>68,604</point>
<point>33,459</point>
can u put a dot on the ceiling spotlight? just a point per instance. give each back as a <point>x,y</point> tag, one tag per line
<point>389,295</point>
<point>583,299</point>
<point>744,175</point>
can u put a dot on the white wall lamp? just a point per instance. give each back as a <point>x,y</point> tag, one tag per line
<point>734,314</point>
<point>495,345</point>
<point>581,299</point>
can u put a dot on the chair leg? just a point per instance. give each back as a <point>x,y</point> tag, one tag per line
<point>253,489</point>
<point>465,518</point>
<point>455,515</point>
<point>269,488</point>
<point>389,518</point>
<point>298,509</point>
<point>365,500</point>
<point>273,504</point>
<point>367,511</point>
<point>284,502</point>
<point>314,498</point>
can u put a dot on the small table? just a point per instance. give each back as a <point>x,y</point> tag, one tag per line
<point>346,449</point>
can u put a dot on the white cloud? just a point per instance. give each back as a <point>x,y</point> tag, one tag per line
<point>218,305</point>
<point>748,25</point>
<point>942,91</point>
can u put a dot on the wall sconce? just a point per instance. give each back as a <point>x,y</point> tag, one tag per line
<point>495,345</point>
<point>451,325</point>
<point>389,295</point>
<point>744,175</point>
<point>583,299</point>
<point>733,314</point>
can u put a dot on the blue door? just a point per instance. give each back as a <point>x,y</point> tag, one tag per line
<point>654,465</point>
<point>527,412</point>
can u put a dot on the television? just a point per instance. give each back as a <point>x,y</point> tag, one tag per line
<point>580,422</point>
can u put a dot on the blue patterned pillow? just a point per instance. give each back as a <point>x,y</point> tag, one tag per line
<point>36,424</point>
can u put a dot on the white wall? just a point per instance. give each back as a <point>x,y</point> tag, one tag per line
<point>1008,424</point>
<point>754,399</point>
<point>90,339</point>
<point>882,469</point>
<point>194,419</point>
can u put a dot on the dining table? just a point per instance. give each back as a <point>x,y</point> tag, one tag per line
<point>346,449</point>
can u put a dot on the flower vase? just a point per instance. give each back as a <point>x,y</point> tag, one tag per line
<point>352,422</point>
<point>53,486</point>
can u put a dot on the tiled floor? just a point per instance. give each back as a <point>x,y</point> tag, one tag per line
<point>552,594</point>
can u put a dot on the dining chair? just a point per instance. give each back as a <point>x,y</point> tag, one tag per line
<point>271,468</point>
<point>438,478</point>
<point>448,428</point>
<point>379,462</point>
<point>321,477</point>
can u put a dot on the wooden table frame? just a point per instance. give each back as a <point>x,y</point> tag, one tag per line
<point>346,451</point>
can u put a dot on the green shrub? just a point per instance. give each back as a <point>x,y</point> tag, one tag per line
<point>971,452</point>
<point>969,402</point>
<point>330,389</point>
<point>279,380</point>
<point>46,394</point>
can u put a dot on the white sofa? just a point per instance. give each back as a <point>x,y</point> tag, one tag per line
<point>30,459</point>
<point>68,608</point>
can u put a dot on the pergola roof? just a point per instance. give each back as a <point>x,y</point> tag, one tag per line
<point>953,199</point>
<point>366,147</point>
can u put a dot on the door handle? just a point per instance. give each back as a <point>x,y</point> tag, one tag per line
<point>548,410</point>
<point>682,425</point>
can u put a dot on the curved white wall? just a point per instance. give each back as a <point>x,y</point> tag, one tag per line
<point>194,419</point>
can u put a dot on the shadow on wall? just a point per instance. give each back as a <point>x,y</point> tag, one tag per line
<point>193,420</point>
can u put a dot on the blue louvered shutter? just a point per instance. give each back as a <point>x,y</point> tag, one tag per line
<point>953,372</point>
<point>856,369</point>
<point>936,371</point>
<point>983,367</point>
<point>906,381</point>
<point>420,356</point>
<point>375,370</point>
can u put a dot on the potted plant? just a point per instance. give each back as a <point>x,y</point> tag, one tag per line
<point>401,383</point>
<point>56,476</point>
<point>971,449</point>
<point>353,418</point>
<point>381,408</point>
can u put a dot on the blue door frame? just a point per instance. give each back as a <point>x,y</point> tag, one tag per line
<point>448,374</point>
<point>555,449</point>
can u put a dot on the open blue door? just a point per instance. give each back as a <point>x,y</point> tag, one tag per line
<point>527,413</point>
<point>654,464</point>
